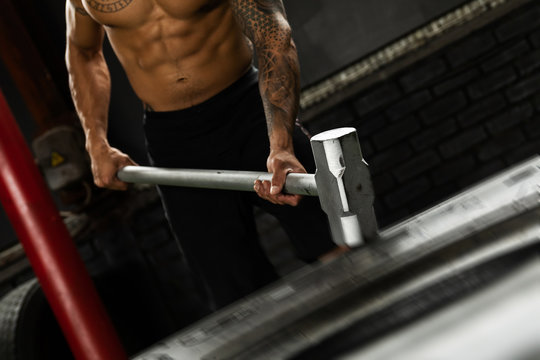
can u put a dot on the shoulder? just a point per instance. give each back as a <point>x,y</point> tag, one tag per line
<point>78,7</point>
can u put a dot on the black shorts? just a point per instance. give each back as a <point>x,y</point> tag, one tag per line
<point>216,228</point>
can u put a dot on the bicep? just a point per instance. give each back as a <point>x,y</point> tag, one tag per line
<point>82,31</point>
<point>263,21</point>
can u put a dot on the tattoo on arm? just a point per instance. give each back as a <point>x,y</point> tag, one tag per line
<point>265,24</point>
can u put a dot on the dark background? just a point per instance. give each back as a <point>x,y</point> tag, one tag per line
<point>333,33</point>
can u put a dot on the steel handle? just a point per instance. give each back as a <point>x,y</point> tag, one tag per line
<point>300,184</point>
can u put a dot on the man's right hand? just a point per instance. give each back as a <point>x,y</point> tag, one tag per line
<point>106,161</point>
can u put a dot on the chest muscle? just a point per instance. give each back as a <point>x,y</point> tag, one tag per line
<point>130,13</point>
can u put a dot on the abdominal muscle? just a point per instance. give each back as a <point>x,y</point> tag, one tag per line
<point>174,64</point>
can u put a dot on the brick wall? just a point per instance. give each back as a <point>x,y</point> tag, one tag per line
<point>465,112</point>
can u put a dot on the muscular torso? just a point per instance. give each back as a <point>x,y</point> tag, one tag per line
<point>176,53</point>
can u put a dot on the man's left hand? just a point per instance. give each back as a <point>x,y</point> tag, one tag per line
<point>279,163</point>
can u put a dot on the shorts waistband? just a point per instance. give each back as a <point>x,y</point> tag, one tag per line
<point>247,80</point>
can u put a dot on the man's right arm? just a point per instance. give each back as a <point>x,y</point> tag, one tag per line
<point>90,85</point>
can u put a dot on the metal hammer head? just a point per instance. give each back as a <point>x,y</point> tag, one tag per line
<point>344,186</point>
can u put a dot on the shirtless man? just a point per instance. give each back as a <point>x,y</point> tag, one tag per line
<point>189,61</point>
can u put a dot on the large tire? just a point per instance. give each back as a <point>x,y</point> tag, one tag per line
<point>28,329</point>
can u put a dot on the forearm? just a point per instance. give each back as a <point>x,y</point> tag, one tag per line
<point>265,24</point>
<point>90,87</point>
<point>279,86</point>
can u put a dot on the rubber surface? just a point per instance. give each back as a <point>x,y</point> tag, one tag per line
<point>28,329</point>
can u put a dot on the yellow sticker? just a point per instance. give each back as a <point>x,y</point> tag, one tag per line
<point>56,159</point>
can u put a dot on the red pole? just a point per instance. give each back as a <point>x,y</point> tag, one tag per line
<point>50,249</point>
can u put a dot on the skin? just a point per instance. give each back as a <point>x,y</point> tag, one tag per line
<point>177,54</point>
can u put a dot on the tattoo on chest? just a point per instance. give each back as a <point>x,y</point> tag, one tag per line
<point>108,6</point>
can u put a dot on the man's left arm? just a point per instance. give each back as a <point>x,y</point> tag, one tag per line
<point>264,22</point>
